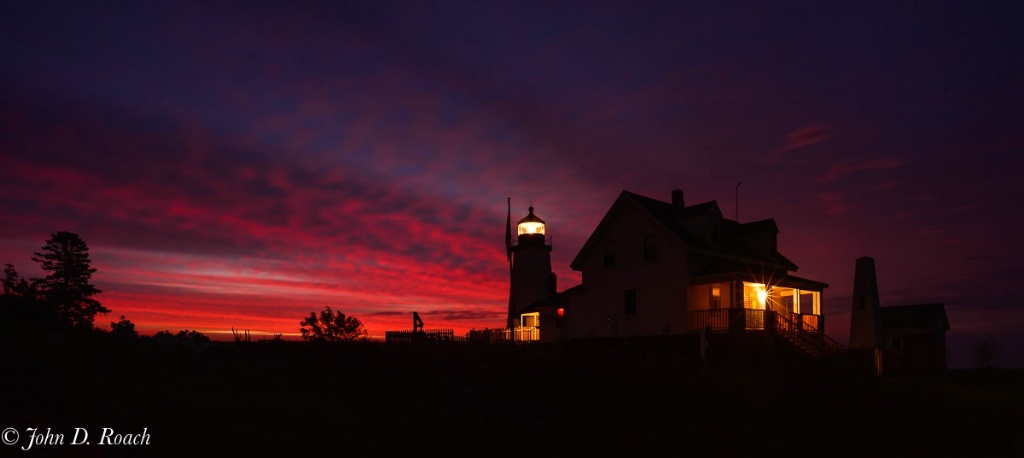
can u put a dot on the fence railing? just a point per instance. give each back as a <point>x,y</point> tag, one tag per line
<point>527,334</point>
<point>488,336</point>
<point>426,336</point>
<point>485,336</point>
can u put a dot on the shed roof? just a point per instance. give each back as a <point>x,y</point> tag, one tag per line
<point>914,318</point>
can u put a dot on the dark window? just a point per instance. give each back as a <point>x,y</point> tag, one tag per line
<point>650,247</point>
<point>630,302</point>
<point>609,254</point>
<point>895,342</point>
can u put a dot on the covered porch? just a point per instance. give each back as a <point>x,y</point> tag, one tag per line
<point>740,302</point>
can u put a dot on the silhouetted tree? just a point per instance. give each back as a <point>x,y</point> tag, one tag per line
<point>15,285</point>
<point>123,329</point>
<point>331,326</point>
<point>66,288</point>
<point>20,308</point>
<point>10,279</point>
<point>182,336</point>
<point>193,340</point>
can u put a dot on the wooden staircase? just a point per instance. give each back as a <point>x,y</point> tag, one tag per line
<point>806,337</point>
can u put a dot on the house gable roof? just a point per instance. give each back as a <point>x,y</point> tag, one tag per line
<point>625,198</point>
<point>733,244</point>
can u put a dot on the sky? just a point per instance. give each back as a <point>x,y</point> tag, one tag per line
<point>241,164</point>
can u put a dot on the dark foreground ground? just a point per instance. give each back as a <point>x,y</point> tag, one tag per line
<point>608,399</point>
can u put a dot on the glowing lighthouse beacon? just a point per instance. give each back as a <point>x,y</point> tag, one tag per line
<point>532,279</point>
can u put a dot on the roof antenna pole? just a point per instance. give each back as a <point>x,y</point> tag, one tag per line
<point>738,201</point>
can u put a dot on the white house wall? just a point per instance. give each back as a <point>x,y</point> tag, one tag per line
<point>660,284</point>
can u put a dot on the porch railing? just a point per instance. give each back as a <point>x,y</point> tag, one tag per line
<point>753,319</point>
<point>814,321</point>
<point>798,330</point>
<point>719,320</point>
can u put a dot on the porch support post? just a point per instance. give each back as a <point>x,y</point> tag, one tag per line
<point>737,316</point>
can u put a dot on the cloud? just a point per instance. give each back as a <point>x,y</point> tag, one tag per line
<point>832,203</point>
<point>799,138</point>
<point>844,168</point>
<point>220,222</point>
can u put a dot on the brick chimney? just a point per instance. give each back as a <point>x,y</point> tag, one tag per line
<point>678,204</point>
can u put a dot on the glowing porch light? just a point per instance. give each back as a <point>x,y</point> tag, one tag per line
<point>762,293</point>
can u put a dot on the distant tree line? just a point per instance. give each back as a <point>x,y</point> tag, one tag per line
<point>64,300</point>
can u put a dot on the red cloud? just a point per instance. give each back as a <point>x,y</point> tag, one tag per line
<point>799,138</point>
<point>847,167</point>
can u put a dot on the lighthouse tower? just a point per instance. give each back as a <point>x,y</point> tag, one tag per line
<point>532,279</point>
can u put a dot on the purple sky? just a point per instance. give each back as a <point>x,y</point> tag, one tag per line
<point>245,163</point>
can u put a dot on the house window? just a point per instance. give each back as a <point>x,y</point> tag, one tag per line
<point>716,297</point>
<point>895,342</point>
<point>650,247</point>
<point>630,302</point>
<point>609,254</point>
